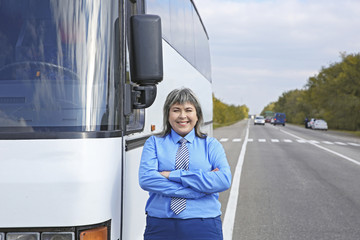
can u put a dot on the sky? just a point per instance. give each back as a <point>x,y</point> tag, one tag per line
<point>263,48</point>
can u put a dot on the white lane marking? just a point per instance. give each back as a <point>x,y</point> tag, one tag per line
<point>229,217</point>
<point>288,141</point>
<point>354,144</point>
<point>324,148</point>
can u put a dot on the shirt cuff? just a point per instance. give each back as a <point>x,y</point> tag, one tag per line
<point>175,176</point>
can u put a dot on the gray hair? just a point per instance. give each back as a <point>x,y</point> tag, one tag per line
<point>181,96</point>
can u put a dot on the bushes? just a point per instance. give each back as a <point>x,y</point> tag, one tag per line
<point>224,114</point>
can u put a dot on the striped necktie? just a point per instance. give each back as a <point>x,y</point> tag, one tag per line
<point>178,204</point>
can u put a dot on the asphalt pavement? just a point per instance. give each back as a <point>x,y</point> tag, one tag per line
<point>295,183</point>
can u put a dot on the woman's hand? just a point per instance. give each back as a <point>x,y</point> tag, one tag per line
<point>165,174</point>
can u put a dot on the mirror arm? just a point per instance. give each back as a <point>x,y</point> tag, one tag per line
<point>143,96</point>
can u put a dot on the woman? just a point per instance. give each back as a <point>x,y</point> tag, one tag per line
<point>183,170</point>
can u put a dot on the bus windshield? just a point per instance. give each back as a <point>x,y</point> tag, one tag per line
<point>57,65</point>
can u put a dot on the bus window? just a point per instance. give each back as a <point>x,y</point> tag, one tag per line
<point>56,66</point>
<point>182,28</point>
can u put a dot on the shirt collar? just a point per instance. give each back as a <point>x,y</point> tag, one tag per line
<point>176,137</point>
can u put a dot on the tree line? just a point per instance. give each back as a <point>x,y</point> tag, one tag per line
<point>333,95</point>
<point>224,114</point>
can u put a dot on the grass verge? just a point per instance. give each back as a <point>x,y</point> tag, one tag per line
<point>218,125</point>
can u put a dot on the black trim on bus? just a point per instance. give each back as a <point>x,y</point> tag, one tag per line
<point>202,23</point>
<point>58,135</point>
<point>135,143</point>
<point>208,123</point>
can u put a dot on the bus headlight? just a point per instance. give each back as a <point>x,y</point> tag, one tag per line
<point>99,231</point>
<point>23,236</point>
<point>57,236</point>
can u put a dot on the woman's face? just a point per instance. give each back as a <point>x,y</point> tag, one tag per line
<point>182,118</point>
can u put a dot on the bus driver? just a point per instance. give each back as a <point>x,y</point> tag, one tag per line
<point>183,170</point>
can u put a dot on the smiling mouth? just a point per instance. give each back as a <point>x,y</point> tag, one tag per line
<point>183,123</point>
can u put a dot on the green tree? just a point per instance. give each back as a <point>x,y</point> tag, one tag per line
<point>224,114</point>
<point>333,94</point>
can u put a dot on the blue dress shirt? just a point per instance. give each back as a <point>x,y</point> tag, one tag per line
<point>200,186</point>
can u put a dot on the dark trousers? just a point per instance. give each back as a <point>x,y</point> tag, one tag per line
<point>183,229</point>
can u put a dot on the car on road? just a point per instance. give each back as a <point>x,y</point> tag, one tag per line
<point>310,123</point>
<point>268,119</point>
<point>279,118</point>
<point>320,124</point>
<point>259,120</point>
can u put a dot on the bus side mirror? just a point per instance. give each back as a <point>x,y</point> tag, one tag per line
<point>146,49</point>
<point>146,58</point>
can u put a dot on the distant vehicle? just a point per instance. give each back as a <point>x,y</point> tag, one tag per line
<point>268,119</point>
<point>310,123</point>
<point>259,120</point>
<point>268,115</point>
<point>320,124</point>
<point>279,118</point>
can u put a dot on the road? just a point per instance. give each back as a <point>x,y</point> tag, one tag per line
<point>295,183</point>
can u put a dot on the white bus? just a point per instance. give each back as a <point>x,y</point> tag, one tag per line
<point>82,84</point>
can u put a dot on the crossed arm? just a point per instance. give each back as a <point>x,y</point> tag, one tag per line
<point>186,184</point>
<point>167,173</point>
